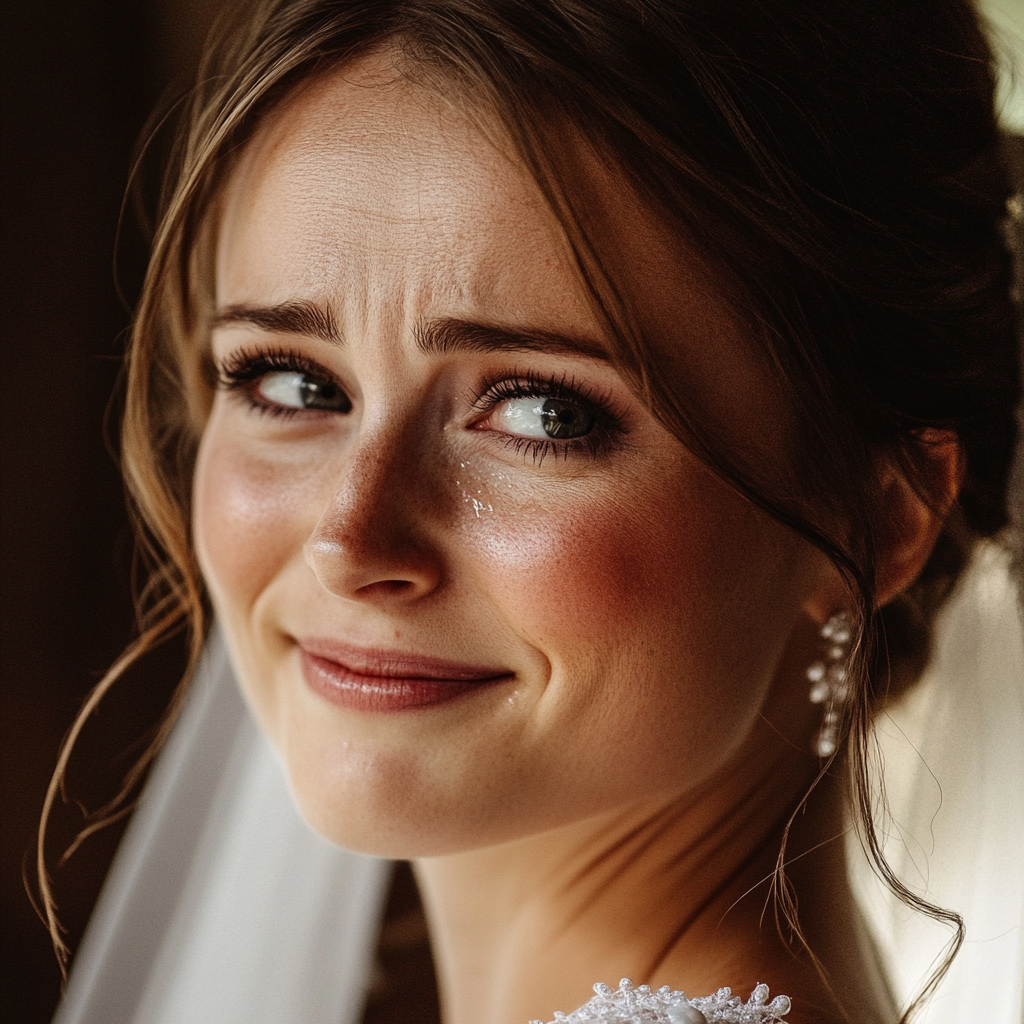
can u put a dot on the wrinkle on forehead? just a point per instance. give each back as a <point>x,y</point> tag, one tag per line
<point>363,166</point>
<point>337,121</point>
<point>368,168</point>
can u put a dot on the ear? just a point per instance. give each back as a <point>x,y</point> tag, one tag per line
<point>909,525</point>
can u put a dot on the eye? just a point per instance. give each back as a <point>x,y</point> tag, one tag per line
<point>281,382</point>
<point>294,390</point>
<point>543,417</point>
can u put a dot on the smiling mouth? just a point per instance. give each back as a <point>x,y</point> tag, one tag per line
<point>381,680</point>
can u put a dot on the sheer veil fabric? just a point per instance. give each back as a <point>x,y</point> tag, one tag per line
<point>953,753</point>
<point>223,907</point>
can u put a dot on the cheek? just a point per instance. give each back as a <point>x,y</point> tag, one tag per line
<point>580,568</point>
<point>251,516</point>
<point>563,577</point>
<point>649,604</point>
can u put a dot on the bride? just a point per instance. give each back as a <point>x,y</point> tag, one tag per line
<point>575,415</point>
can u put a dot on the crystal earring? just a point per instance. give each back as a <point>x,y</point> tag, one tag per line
<point>830,684</point>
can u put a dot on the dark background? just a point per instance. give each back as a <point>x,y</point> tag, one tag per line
<point>80,78</point>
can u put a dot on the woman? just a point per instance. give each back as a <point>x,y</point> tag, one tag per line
<point>576,414</point>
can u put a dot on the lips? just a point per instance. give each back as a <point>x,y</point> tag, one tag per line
<point>380,680</point>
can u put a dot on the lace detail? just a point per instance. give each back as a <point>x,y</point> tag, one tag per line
<point>629,1005</point>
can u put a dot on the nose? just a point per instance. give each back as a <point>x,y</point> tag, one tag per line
<point>371,542</point>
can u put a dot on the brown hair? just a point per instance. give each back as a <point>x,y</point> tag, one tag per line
<point>836,164</point>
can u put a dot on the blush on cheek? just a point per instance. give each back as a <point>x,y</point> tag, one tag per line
<point>681,594</point>
<point>587,570</point>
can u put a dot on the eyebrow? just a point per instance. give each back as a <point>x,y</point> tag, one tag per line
<point>436,337</point>
<point>439,337</point>
<point>286,318</point>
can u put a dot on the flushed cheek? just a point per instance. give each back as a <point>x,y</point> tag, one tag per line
<point>557,577</point>
<point>679,590</point>
<point>574,563</point>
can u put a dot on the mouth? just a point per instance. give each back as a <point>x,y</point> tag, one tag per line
<point>379,680</point>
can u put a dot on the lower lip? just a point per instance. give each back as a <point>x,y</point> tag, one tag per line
<point>356,691</point>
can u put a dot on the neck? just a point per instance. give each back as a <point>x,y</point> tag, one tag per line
<point>671,892</point>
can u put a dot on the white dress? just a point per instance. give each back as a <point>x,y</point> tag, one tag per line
<point>640,1005</point>
<point>222,907</point>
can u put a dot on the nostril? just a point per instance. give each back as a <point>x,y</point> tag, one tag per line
<point>388,586</point>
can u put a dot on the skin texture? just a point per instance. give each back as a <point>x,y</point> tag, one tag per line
<point>599,810</point>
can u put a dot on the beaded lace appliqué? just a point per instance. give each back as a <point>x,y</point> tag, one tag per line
<point>629,1005</point>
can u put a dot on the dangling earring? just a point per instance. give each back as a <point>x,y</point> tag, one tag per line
<point>830,684</point>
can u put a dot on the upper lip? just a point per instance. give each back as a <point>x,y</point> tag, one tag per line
<point>388,663</point>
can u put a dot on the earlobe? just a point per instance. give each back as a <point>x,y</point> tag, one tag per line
<point>909,524</point>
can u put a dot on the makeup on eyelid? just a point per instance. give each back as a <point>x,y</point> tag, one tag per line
<point>590,558</point>
<point>538,416</point>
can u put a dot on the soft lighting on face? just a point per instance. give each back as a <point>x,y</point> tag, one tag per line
<point>473,588</point>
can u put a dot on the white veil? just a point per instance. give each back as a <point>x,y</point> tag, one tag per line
<point>222,906</point>
<point>953,754</point>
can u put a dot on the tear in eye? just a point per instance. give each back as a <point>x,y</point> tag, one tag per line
<point>548,417</point>
<point>303,391</point>
<point>565,419</point>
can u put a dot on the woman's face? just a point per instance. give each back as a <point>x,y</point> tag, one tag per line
<point>472,588</point>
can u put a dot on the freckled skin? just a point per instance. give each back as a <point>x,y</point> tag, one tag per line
<point>631,594</point>
<point>642,610</point>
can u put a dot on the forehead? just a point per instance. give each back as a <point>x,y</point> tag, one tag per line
<point>364,179</point>
<point>379,196</point>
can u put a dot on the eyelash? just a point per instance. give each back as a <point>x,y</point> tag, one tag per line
<point>242,370</point>
<point>607,425</point>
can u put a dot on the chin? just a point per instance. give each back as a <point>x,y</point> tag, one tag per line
<point>380,808</point>
<point>401,833</point>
